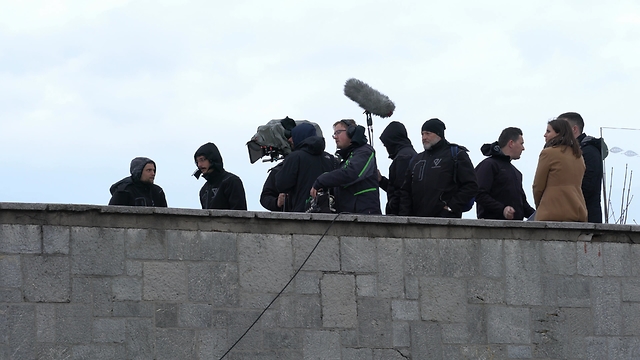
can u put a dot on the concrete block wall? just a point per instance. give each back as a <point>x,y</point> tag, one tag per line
<point>91,282</point>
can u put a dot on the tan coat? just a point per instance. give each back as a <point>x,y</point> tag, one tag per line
<point>557,189</point>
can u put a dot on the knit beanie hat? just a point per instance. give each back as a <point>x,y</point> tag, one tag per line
<point>435,126</point>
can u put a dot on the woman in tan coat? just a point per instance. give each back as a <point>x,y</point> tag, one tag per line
<point>557,186</point>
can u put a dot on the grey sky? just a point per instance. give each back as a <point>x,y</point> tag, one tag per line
<point>88,85</point>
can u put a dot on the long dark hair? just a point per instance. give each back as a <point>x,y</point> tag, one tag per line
<point>564,137</point>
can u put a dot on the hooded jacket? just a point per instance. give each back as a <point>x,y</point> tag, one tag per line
<point>499,185</point>
<point>130,191</point>
<point>223,190</point>
<point>395,140</point>
<point>301,168</point>
<point>592,180</point>
<point>269,194</point>
<point>355,182</point>
<point>429,185</point>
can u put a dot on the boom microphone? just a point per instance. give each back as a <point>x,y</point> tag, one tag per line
<point>368,98</point>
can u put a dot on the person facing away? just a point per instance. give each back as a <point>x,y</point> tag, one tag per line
<point>303,166</point>
<point>438,183</point>
<point>223,190</point>
<point>557,183</point>
<point>500,194</point>
<point>138,189</point>
<point>270,198</point>
<point>355,182</point>
<point>592,155</point>
<point>395,140</point>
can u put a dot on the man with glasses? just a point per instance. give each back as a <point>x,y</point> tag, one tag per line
<point>355,182</point>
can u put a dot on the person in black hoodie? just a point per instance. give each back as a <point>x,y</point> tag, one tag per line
<point>270,198</point>
<point>223,190</point>
<point>355,182</point>
<point>303,166</point>
<point>138,189</point>
<point>592,153</point>
<point>500,194</point>
<point>395,140</point>
<point>437,184</point>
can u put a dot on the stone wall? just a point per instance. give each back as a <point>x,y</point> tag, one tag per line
<point>95,282</point>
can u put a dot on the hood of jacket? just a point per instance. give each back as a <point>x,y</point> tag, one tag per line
<point>301,132</point>
<point>494,150</point>
<point>137,165</point>
<point>314,145</point>
<point>394,137</point>
<point>210,152</point>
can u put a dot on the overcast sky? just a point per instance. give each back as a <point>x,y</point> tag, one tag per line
<point>85,86</point>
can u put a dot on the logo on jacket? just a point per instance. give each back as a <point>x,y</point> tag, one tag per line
<point>436,163</point>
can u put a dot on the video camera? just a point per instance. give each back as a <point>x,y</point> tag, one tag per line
<point>271,140</point>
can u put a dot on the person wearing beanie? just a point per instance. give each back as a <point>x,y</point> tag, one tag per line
<point>138,189</point>
<point>500,194</point>
<point>355,183</point>
<point>303,166</point>
<point>223,190</point>
<point>440,181</point>
<point>395,140</point>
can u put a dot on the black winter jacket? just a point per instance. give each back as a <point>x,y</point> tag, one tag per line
<point>269,194</point>
<point>400,151</point>
<point>301,168</point>
<point>499,185</point>
<point>135,193</point>
<point>355,182</point>
<point>223,190</point>
<point>429,184</point>
<point>592,179</point>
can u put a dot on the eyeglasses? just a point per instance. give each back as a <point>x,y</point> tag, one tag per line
<point>337,132</point>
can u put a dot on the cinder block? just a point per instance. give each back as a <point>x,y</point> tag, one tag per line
<point>631,319</point>
<point>52,351</point>
<point>485,291</point>
<point>617,259</point>
<point>559,257</point>
<point>97,251</point>
<point>589,257</point>
<point>308,282</point>
<point>411,287</point>
<point>631,289</point>
<point>73,323</point>
<point>201,245</point>
<point>145,244</point>
<point>301,311</point>
<point>390,354</point>
<point>588,347</point>
<point>606,306</point>
<point>491,258</point>
<point>194,315</point>
<point>166,315</point>
<point>421,257</point>
<point>283,339</point>
<point>102,297</point>
<point>165,281</point>
<point>519,352</point>
<point>132,309</point>
<point>108,330</point>
<point>459,258</point>
<point>401,334</point>
<point>81,290</point>
<point>133,267</point>
<point>45,323</point>
<point>338,301</point>
<point>20,239</point>
<point>574,292</point>
<point>140,335</point>
<point>238,323</point>
<point>225,289</point>
<point>358,254</point>
<point>17,330</point>
<point>55,239</point>
<point>508,325</point>
<point>457,333</point>
<point>623,347</point>
<point>390,268</point>
<point>46,279</point>
<point>99,351</point>
<point>374,323</point>
<point>367,285</point>
<point>357,354</point>
<point>212,344</point>
<point>443,299</point>
<point>349,337</point>
<point>264,262</point>
<point>10,271</point>
<point>10,295</point>
<point>200,281</point>
<point>321,345</point>
<point>524,285</point>
<point>326,256</point>
<point>476,324</point>
<point>127,288</point>
<point>405,310</point>
<point>426,341</point>
<point>174,344</point>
